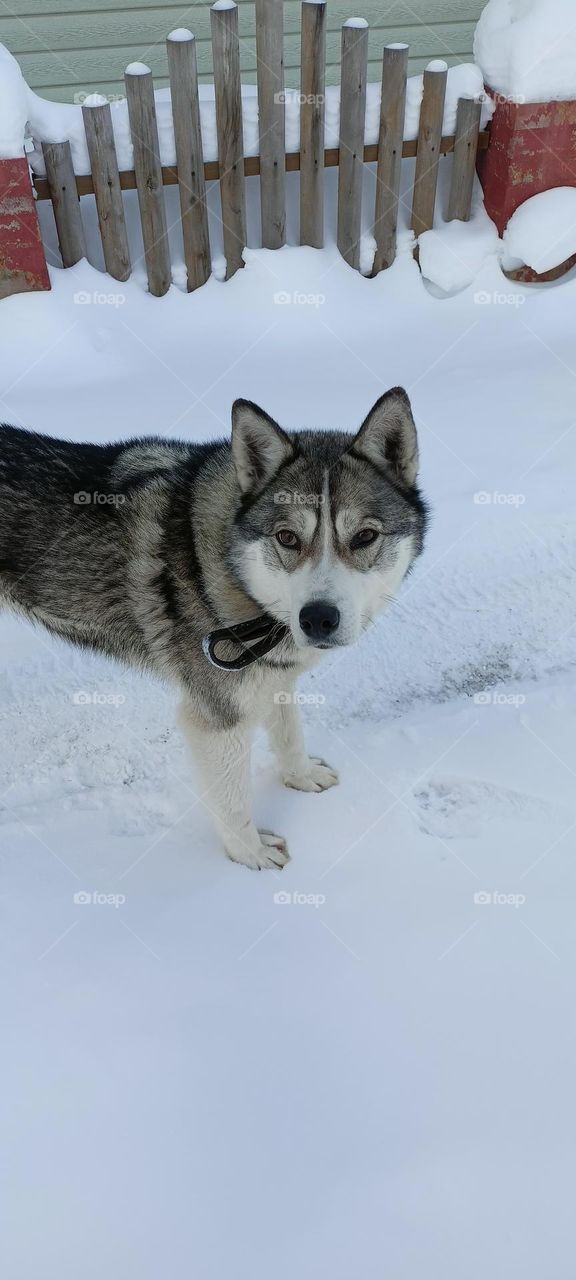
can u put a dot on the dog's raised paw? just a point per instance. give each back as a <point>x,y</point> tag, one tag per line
<point>272,854</point>
<point>318,776</point>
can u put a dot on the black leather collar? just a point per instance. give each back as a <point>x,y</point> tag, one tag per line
<point>267,631</point>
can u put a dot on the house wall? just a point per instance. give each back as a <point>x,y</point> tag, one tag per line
<point>73,47</point>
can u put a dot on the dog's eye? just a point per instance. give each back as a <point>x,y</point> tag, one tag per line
<point>287,538</point>
<point>364,538</point>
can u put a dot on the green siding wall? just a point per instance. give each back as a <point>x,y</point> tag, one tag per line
<point>68,47</point>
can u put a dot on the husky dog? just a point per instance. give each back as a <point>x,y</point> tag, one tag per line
<point>173,556</point>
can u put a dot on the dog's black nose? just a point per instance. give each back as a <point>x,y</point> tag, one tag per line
<point>319,620</point>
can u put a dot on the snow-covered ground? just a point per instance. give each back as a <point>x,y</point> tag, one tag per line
<point>370,1075</point>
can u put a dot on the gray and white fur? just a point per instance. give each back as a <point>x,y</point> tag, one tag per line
<point>138,550</point>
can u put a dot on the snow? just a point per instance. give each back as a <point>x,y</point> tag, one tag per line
<point>452,254</point>
<point>363,1065</point>
<point>527,49</point>
<point>13,107</point>
<point>542,232</point>
<point>180,34</point>
<point>356,22</point>
<point>137,69</point>
<point>95,100</point>
<point>54,121</point>
<point>367,251</point>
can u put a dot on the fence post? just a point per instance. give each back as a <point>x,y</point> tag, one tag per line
<point>428,154</point>
<point>270,73</point>
<point>354,69</point>
<point>65,201</point>
<point>181,47</point>
<point>391,137</point>
<point>228,94</point>
<point>313,59</point>
<point>107,190</point>
<point>144,131</point>
<point>464,161</point>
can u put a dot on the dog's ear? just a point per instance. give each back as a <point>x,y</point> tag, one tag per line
<point>259,446</point>
<point>388,438</point>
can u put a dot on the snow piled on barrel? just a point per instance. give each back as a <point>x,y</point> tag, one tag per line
<point>527,49</point>
<point>541,234</point>
<point>13,107</point>
<point>51,121</point>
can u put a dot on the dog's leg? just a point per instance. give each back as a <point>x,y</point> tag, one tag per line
<point>299,770</point>
<point>223,761</point>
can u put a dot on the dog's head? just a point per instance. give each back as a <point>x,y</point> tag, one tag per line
<point>327,524</point>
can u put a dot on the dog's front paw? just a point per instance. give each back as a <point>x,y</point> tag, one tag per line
<point>316,776</point>
<point>269,852</point>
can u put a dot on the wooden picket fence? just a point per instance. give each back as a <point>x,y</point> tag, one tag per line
<point>148,177</point>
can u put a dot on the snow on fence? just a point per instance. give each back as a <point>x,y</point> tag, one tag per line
<point>191,171</point>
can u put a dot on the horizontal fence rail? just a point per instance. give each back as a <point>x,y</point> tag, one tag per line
<point>85,185</point>
<point>191,172</point>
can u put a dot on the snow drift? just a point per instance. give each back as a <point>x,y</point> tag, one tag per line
<point>542,232</point>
